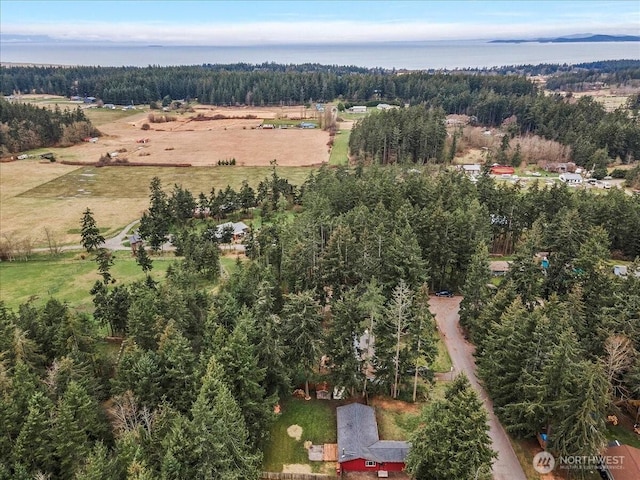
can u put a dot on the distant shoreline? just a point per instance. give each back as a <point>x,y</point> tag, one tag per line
<point>585,39</point>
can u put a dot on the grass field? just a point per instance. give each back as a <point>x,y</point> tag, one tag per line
<point>67,277</point>
<point>340,149</point>
<point>318,421</point>
<point>101,116</point>
<point>35,196</point>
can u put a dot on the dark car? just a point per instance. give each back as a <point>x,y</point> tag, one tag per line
<point>444,293</point>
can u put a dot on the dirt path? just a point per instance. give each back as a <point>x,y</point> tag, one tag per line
<point>506,466</point>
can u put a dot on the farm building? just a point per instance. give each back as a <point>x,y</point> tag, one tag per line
<point>502,170</point>
<point>358,109</point>
<point>571,178</point>
<point>359,446</point>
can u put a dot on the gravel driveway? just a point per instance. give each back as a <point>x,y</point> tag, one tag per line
<point>506,466</point>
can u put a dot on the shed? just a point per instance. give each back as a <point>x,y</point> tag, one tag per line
<point>359,446</point>
<point>499,268</point>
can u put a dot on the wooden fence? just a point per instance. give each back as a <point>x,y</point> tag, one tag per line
<point>295,476</point>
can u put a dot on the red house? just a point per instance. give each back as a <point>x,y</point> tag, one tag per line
<point>359,446</point>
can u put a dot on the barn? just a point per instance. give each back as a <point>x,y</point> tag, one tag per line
<point>359,446</point>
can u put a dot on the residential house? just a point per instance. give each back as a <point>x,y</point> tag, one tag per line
<point>560,167</point>
<point>472,170</point>
<point>359,446</point>
<point>621,462</point>
<point>240,229</point>
<point>571,178</point>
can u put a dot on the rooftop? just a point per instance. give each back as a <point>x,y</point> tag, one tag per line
<point>358,437</point>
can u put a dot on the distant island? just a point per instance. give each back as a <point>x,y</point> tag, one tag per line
<point>576,39</point>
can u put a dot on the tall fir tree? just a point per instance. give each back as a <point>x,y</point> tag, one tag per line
<point>452,439</point>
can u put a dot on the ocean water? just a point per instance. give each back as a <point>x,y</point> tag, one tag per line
<point>410,55</point>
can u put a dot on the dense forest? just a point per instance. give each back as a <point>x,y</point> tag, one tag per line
<point>191,392</point>
<point>25,126</point>
<point>489,98</point>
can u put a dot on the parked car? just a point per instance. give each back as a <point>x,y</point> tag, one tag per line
<point>444,293</point>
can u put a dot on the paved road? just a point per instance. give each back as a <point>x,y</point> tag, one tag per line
<point>506,466</point>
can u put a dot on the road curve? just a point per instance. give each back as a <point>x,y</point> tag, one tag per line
<point>506,466</point>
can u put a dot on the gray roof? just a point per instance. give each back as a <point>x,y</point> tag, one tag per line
<point>358,437</point>
<point>238,228</point>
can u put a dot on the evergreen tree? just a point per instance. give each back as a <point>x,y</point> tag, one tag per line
<point>154,225</point>
<point>33,445</point>
<point>104,259</point>
<point>345,362</point>
<point>143,259</point>
<point>302,325</point>
<point>177,364</point>
<point>466,446</point>
<point>91,238</point>
<point>220,440</point>
<point>245,378</point>
<point>476,292</point>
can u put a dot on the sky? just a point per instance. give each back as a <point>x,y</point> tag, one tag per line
<point>313,22</point>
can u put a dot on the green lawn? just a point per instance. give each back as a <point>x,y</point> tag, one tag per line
<point>340,149</point>
<point>318,421</point>
<point>393,425</point>
<point>68,277</point>
<point>623,434</point>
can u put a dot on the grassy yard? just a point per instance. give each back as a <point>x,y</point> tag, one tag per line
<point>623,434</point>
<point>318,421</point>
<point>340,149</point>
<point>442,363</point>
<point>396,425</point>
<point>68,277</point>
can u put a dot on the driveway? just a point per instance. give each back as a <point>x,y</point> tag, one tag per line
<point>506,466</point>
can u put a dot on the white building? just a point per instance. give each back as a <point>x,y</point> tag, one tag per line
<point>358,109</point>
<point>571,178</point>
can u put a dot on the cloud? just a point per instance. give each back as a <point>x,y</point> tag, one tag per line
<point>309,32</point>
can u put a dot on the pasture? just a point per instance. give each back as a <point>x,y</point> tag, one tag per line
<point>40,197</point>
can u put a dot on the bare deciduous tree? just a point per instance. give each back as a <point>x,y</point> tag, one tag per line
<point>619,356</point>
<point>126,415</point>
<point>52,242</point>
